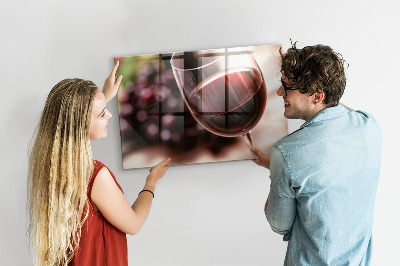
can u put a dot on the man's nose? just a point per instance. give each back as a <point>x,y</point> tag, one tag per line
<point>280,91</point>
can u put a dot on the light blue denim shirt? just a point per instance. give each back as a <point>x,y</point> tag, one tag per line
<point>323,183</point>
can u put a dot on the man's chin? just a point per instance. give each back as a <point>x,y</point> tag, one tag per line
<point>290,116</point>
<point>287,115</point>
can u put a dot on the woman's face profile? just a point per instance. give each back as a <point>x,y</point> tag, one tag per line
<point>100,116</point>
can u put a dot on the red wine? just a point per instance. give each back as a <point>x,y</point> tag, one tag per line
<point>229,103</point>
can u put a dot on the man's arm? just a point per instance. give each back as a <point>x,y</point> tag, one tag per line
<point>280,208</point>
<point>280,213</point>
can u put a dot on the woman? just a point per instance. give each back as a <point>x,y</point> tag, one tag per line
<point>78,212</point>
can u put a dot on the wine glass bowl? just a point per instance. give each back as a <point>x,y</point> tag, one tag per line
<point>224,89</point>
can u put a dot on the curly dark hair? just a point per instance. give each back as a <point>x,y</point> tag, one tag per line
<point>316,69</point>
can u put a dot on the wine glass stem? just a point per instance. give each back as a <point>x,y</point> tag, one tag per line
<point>250,139</point>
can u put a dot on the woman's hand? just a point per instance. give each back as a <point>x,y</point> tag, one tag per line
<point>158,171</point>
<point>111,86</point>
<point>263,159</point>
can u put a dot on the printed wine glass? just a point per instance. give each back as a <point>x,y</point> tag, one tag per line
<point>224,89</point>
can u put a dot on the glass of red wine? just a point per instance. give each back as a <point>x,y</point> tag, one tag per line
<point>224,89</point>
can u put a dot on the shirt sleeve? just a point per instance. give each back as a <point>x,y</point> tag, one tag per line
<point>281,210</point>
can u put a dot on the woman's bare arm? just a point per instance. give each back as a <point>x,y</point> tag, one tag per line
<point>114,206</point>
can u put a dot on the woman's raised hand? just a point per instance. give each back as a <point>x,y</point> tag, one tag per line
<point>111,85</point>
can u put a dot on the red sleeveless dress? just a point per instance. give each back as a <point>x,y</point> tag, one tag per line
<point>101,243</point>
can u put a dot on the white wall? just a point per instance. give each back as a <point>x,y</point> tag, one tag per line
<point>208,214</point>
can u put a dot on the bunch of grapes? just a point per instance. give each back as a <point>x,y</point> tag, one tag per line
<point>153,113</point>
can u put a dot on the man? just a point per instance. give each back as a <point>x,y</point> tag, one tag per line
<point>324,175</point>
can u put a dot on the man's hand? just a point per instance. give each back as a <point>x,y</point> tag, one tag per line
<point>263,159</point>
<point>111,86</point>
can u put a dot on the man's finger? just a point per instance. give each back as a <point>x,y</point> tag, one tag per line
<point>257,161</point>
<point>281,51</point>
<point>256,151</point>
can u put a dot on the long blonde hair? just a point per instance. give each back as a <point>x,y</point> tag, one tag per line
<point>60,168</point>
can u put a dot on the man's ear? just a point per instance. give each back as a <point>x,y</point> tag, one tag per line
<point>318,97</point>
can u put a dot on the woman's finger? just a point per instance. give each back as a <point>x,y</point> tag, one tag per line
<point>114,70</point>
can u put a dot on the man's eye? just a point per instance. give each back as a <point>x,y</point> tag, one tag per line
<point>103,114</point>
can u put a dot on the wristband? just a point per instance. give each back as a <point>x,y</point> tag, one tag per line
<point>148,191</point>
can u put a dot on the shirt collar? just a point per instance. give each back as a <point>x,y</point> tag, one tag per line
<point>325,114</point>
